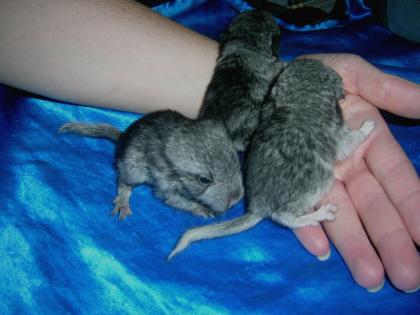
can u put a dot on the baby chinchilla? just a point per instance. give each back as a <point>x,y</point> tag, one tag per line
<point>245,69</point>
<point>289,166</point>
<point>191,164</point>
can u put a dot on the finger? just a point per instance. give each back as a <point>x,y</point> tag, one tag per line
<point>356,110</point>
<point>314,240</point>
<point>388,92</point>
<point>350,239</point>
<point>397,176</point>
<point>388,163</point>
<point>385,228</point>
<point>385,91</point>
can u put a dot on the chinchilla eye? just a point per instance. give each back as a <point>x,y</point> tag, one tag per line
<point>204,180</point>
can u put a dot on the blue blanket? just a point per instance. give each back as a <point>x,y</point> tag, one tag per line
<point>63,253</point>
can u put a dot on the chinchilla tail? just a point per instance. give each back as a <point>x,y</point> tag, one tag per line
<point>92,130</point>
<point>234,226</point>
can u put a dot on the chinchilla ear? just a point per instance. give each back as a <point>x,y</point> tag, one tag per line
<point>181,154</point>
<point>231,33</point>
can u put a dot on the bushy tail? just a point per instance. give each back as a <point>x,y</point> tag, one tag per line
<point>92,130</point>
<point>234,226</point>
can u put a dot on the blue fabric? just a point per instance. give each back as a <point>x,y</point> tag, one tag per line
<point>355,10</point>
<point>62,252</point>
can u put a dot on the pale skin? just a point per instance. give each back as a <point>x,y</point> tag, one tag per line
<point>377,187</point>
<point>121,55</point>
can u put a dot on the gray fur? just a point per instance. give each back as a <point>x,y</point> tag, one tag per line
<point>175,155</point>
<point>230,227</point>
<point>289,165</point>
<point>99,130</point>
<point>245,69</point>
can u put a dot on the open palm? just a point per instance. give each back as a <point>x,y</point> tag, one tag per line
<point>377,189</point>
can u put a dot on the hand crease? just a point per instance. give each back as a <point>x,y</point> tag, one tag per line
<point>388,234</point>
<point>364,203</point>
<point>386,88</point>
<point>406,197</point>
<point>391,167</point>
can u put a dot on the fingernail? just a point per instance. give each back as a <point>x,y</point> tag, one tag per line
<point>412,291</point>
<point>325,257</point>
<point>378,288</point>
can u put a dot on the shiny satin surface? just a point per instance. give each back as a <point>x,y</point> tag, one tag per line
<point>63,253</point>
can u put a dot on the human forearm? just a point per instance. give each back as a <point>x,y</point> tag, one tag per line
<point>116,54</point>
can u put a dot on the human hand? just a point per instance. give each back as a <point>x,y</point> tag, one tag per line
<point>377,190</point>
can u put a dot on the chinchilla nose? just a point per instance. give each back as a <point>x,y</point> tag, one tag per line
<point>234,198</point>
